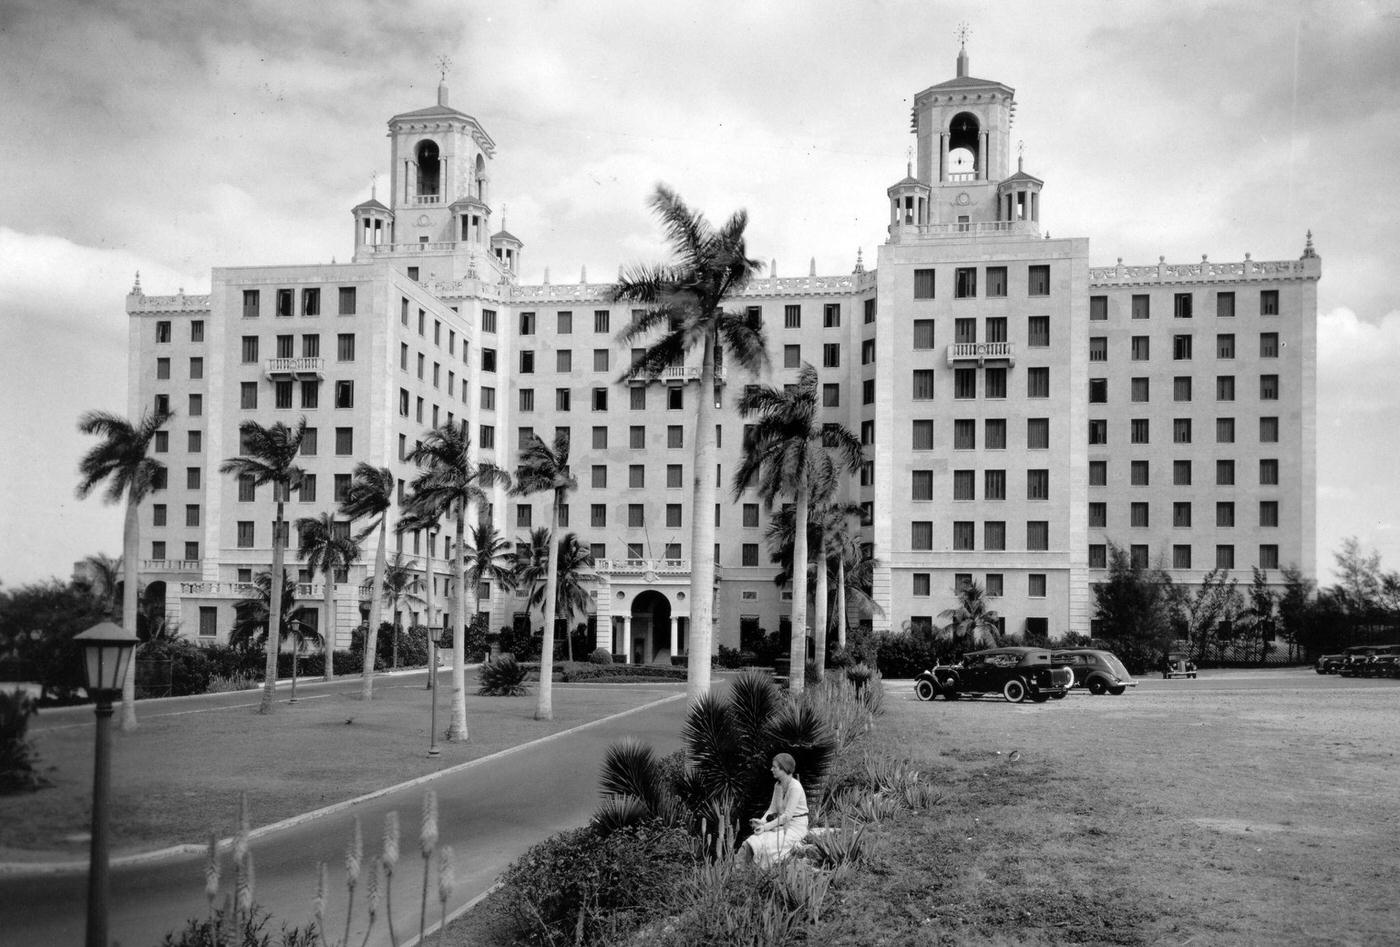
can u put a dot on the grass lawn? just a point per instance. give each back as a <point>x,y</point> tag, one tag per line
<point>1249,807</point>
<point>178,776</point>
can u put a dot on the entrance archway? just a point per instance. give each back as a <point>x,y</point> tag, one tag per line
<point>651,628</point>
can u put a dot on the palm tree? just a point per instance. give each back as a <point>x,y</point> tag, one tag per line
<point>792,454</point>
<point>121,459</point>
<point>370,496</point>
<point>571,583</point>
<point>250,625</point>
<point>402,585</point>
<point>103,579</point>
<point>546,468</point>
<point>328,550</point>
<point>490,558</point>
<point>684,301</point>
<point>971,622</point>
<point>855,573</point>
<point>451,482</point>
<point>269,456</point>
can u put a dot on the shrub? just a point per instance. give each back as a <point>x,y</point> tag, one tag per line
<point>810,674</point>
<point>730,658</point>
<point>199,932</point>
<point>522,643</point>
<point>600,656</point>
<point>18,760</point>
<point>503,677</point>
<point>904,655</point>
<point>478,648</point>
<point>190,665</point>
<point>237,681</point>
<point>638,673</point>
<point>580,887</point>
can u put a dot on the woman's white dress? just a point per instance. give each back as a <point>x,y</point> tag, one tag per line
<point>786,828</point>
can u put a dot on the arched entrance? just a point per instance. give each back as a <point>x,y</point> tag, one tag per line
<point>651,628</point>
<point>151,615</point>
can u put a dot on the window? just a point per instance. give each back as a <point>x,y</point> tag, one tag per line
<point>1035,586</point>
<point>636,515</point>
<point>922,585</point>
<point>831,396</point>
<point>524,515</point>
<point>345,394</point>
<point>598,515</point>
<point>250,349</point>
<point>1098,556</point>
<point>564,360</point>
<point>923,334</point>
<point>1225,473</point>
<point>996,282</point>
<point>487,437</point>
<point>964,535</point>
<point>1098,348</point>
<point>748,554</point>
<point>923,434</point>
<point>1139,473</point>
<point>831,316</point>
<point>1268,387</point>
<point>527,362</point>
<point>344,441</point>
<point>488,360</point>
<point>194,442</point>
<point>869,311</point>
<point>527,323</point>
<point>1181,556</point>
<point>965,282</point>
<point>1268,345</point>
<point>1038,281</point>
<point>1181,306</point>
<point>341,487</point>
<point>562,397</point>
<point>308,443</point>
<point>674,476</point>
<point>1224,515</point>
<point>245,534</point>
<point>923,284</point>
<point>996,329</point>
<point>1268,430</point>
<point>994,380</point>
<point>673,516</point>
<point>1224,430</point>
<point>1181,347</point>
<point>345,347</point>
<point>964,383</point>
<point>1224,387</point>
<point>994,535</point>
<point>162,442</point>
<point>1181,388</point>
<point>250,304</point>
<point>1098,515</point>
<point>675,436</point>
<point>1181,431</point>
<point>1139,431</point>
<point>192,477</point>
<point>285,302</point>
<point>964,485</point>
<point>1225,305</point>
<point>1224,557</point>
<point>792,317</point>
<point>831,355</point>
<point>923,384</point>
<point>248,394</point>
<point>964,434</point>
<point>310,302</point>
<point>600,399</point>
<point>1098,431</point>
<point>1138,515</point>
<point>1268,556</point>
<point>525,436</point>
<point>286,346</point>
<point>792,356</point>
<point>281,394</point>
<point>564,322</point>
<point>1141,348</point>
<point>637,437</point>
<point>601,320</point>
<point>867,352</point>
<point>1098,473</point>
<point>1038,332</point>
<point>162,368</point>
<point>1098,308</point>
<point>1181,473</point>
<point>1181,515</point>
<point>1268,513</point>
<point>1142,306</point>
<point>995,434</point>
<point>1038,433</point>
<point>158,514</point>
<point>1038,382</point>
<point>1268,302</point>
<point>994,484</point>
<point>1038,535</point>
<point>1098,391</point>
<point>965,330</point>
<point>600,360</point>
<point>1038,484</point>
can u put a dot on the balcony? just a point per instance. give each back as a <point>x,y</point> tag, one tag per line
<point>169,565</point>
<point>642,567</point>
<point>980,352</point>
<point>304,367</point>
<point>682,373</point>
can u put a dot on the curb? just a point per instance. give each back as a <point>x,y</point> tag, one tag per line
<point>176,851</point>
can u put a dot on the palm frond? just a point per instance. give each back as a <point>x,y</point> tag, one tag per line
<point>630,769</point>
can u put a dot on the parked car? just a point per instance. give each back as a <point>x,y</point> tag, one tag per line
<point>1330,663</point>
<point>1384,665</point>
<point>1014,673</point>
<point>1356,658</point>
<point>1099,671</point>
<point>1178,664</point>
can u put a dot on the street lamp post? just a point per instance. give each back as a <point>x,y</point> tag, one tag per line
<point>107,651</point>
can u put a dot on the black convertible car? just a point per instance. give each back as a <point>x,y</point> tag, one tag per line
<point>1014,673</point>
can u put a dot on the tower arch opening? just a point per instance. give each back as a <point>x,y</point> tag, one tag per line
<point>429,169</point>
<point>965,159</point>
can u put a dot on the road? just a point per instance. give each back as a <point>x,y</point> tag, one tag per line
<point>491,811</point>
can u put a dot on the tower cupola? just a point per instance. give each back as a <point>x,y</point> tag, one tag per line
<point>909,204</point>
<point>1018,197</point>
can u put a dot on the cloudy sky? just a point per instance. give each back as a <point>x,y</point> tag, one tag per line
<point>170,136</point>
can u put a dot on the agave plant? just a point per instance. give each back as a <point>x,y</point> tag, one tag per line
<point>503,677</point>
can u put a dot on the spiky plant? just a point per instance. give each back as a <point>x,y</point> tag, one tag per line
<point>503,677</point>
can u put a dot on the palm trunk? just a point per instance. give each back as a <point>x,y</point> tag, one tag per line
<point>457,732</point>
<point>797,653</point>
<point>274,617</point>
<point>131,548</point>
<point>819,616</point>
<point>376,612</point>
<point>328,632</point>
<point>544,710</point>
<point>700,639</point>
<point>841,617</point>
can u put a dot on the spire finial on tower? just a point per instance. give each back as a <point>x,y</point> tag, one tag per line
<point>1308,250</point>
<point>860,260</point>
<point>373,186</point>
<point>963,32</point>
<point>444,63</point>
<point>909,161</point>
<point>1020,155</point>
<point>136,286</point>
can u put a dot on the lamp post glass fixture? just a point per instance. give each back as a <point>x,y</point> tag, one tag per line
<point>107,651</point>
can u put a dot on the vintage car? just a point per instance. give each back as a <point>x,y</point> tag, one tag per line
<point>1014,673</point>
<point>1099,671</point>
<point>1178,664</point>
<point>1330,663</point>
<point>1356,659</point>
<point>1384,665</point>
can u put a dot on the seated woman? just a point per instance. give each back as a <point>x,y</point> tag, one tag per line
<point>784,825</point>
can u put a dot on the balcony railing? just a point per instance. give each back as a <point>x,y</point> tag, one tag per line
<point>305,367</point>
<point>620,567</point>
<point>979,352</point>
<point>683,373</point>
<point>170,565</point>
<point>420,199</point>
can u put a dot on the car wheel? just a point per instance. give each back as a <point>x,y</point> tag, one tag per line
<point>1097,687</point>
<point>1115,691</point>
<point>924,690</point>
<point>1014,690</point>
<point>1060,696</point>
